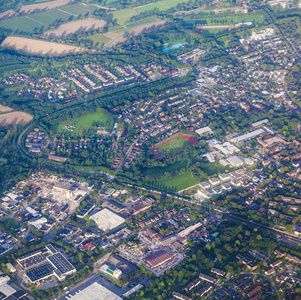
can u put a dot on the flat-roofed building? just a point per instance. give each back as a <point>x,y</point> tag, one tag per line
<point>95,291</point>
<point>107,220</point>
<point>158,258</point>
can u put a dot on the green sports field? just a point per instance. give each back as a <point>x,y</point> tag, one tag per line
<point>99,118</point>
<point>177,183</point>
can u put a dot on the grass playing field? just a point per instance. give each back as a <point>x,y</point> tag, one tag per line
<point>177,183</point>
<point>99,118</point>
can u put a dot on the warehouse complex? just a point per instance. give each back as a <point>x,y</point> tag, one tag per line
<point>44,263</point>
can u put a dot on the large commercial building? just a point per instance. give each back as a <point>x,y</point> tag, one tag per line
<point>107,220</point>
<point>95,291</point>
<point>247,136</point>
<point>158,258</point>
<point>37,266</point>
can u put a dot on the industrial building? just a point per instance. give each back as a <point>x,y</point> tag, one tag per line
<point>95,291</point>
<point>247,136</point>
<point>158,258</point>
<point>38,266</point>
<point>107,220</point>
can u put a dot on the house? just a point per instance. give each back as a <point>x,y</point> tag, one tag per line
<point>270,272</point>
<point>276,263</point>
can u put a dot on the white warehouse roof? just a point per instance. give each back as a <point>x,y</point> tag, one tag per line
<point>247,136</point>
<point>95,291</point>
<point>106,219</point>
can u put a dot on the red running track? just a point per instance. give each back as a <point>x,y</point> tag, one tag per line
<point>186,137</point>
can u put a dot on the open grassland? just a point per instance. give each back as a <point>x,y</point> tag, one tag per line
<point>177,183</point>
<point>40,47</point>
<point>99,118</point>
<point>141,28</point>
<point>26,9</point>
<point>99,40</point>
<point>14,118</point>
<point>123,15</point>
<point>161,5</point>
<point>72,27</point>
<point>80,8</point>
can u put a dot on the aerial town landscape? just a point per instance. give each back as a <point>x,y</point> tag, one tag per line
<point>150,149</point>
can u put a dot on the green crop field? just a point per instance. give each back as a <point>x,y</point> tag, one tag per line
<point>23,24</point>
<point>77,9</point>
<point>141,22</point>
<point>101,39</point>
<point>161,5</point>
<point>38,20</point>
<point>29,23</point>
<point>48,17</point>
<point>123,15</point>
<point>98,118</point>
<point>177,183</point>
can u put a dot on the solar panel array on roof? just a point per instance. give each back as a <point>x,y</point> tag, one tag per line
<point>51,249</point>
<point>32,260</point>
<point>60,262</point>
<point>40,272</point>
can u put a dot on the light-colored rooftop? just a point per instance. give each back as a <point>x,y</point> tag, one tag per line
<point>95,292</point>
<point>106,219</point>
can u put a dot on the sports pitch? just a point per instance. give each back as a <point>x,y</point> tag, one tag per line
<point>173,145</point>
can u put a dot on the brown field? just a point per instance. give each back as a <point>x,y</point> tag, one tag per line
<point>4,109</point>
<point>41,47</point>
<point>15,118</point>
<point>72,27</point>
<point>26,9</point>
<point>7,14</point>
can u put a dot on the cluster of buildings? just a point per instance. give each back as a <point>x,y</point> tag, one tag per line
<point>36,141</point>
<point>191,56</point>
<point>163,251</point>
<point>225,182</point>
<point>45,263</point>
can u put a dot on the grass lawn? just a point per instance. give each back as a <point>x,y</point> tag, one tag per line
<point>177,183</point>
<point>77,9</point>
<point>161,5</point>
<point>100,39</point>
<point>123,15</point>
<point>141,22</point>
<point>98,118</point>
<point>160,170</point>
<point>10,224</point>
